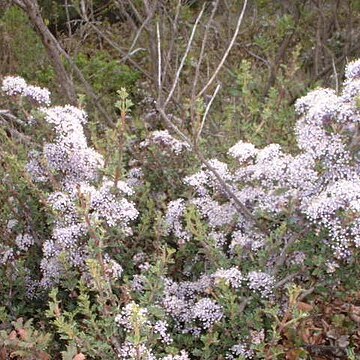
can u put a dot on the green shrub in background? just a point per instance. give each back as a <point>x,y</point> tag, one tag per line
<point>21,49</point>
<point>105,73</point>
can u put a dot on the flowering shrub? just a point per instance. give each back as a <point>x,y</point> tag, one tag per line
<point>316,188</point>
<point>80,198</point>
<point>209,289</point>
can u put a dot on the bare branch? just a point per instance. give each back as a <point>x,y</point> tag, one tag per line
<point>144,24</point>
<point>336,75</point>
<point>172,41</point>
<point>159,57</point>
<point>202,51</point>
<point>118,48</point>
<point>188,47</point>
<point>205,113</point>
<point>6,122</point>
<point>134,9</point>
<point>241,16</point>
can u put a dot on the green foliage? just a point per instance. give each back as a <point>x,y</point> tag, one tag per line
<point>22,50</point>
<point>105,73</point>
<point>254,118</point>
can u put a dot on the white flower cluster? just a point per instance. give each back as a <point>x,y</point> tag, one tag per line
<point>113,270</point>
<point>81,198</point>
<point>261,283</point>
<point>207,312</point>
<point>239,350</point>
<point>174,220</point>
<point>243,151</point>
<point>135,176</point>
<point>15,85</point>
<point>190,306</point>
<point>132,315</point>
<point>138,283</point>
<point>232,277</point>
<point>319,186</point>
<point>191,314</point>
<point>105,205</point>
<point>24,241</point>
<point>6,254</point>
<point>166,141</point>
<point>248,240</point>
<point>11,224</point>
<point>161,328</point>
<point>130,351</point>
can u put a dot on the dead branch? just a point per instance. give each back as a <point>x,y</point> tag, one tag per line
<point>32,10</point>
<point>227,51</point>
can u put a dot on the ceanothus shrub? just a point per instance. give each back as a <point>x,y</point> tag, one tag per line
<point>80,198</point>
<point>315,190</point>
<point>318,188</point>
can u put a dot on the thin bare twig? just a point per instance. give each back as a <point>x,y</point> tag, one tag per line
<point>188,47</point>
<point>118,48</point>
<point>159,57</point>
<point>202,52</point>
<point>144,24</point>
<point>136,12</point>
<point>336,75</point>
<point>172,41</point>
<point>205,113</point>
<point>231,44</point>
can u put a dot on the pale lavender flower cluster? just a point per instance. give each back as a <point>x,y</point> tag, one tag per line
<point>135,176</point>
<point>242,151</point>
<point>82,198</point>
<point>131,351</point>
<point>239,350</point>
<point>11,224</point>
<point>207,312</point>
<point>131,316</point>
<point>15,85</point>
<point>140,261</point>
<point>24,241</point>
<point>298,258</point>
<point>6,254</point>
<point>232,277</point>
<point>161,328</point>
<point>135,318</point>
<point>261,283</point>
<point>174,220</point>
<point>105,205</point>
<point>321,183</point>
<point>257,336</point>
<point>138,283</point>
<point>193,311</point>
<point>113,270</point>
<point>167,141</point>
<point>190,313</point>
<point>247,240</point>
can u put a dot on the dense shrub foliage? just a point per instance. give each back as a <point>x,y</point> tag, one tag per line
<point>218,283</point>
<point>189,189</point>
